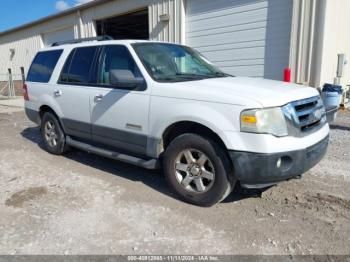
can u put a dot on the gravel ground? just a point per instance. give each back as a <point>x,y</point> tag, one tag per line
<point>85,204</point>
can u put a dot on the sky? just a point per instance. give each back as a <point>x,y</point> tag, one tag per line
<point>18,12</point>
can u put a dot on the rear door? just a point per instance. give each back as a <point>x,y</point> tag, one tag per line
<point>73,89</point>
<point>119,114</point>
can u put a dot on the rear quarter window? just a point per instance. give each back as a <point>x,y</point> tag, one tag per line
<point>43,65</point>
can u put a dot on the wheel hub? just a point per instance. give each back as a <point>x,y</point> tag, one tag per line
<point>51,134</point>
<point>195,170</point>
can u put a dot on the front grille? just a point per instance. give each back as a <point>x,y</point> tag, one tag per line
<point>305,115</point>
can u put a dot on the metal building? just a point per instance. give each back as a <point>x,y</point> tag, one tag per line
<point>258,38</point>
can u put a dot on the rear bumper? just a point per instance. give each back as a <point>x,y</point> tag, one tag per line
<point>256,170</point>
<point>32,115</point>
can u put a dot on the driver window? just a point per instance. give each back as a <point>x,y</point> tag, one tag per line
<point>115,57</point>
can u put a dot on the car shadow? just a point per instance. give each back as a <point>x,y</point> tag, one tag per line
<point>240,193</point>
<point>339,127</point>
<point>151,178</point>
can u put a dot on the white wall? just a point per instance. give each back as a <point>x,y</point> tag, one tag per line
<point>59,35</point>
<point>336,40</point>
<point>25,46</point>
<point>27,42</point>
<point>320,31</point>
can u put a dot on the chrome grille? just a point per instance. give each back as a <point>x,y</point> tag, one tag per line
<point>305,116</point>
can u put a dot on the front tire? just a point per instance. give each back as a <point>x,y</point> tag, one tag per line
<point>198,170</point>
<point>53,134</point>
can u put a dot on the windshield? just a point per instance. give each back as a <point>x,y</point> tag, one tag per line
<point>175,63</point>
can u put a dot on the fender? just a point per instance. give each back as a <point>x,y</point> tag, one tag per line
<point>47,100</point>
<point>165,112</point>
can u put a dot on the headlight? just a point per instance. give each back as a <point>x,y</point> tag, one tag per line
<point>264,121</point>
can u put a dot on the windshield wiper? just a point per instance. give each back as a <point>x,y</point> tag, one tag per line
<point>202,76</point>
<point>218,74</point>
<point>191,76</point>
<point>178,77</point>
<point>169,79</point>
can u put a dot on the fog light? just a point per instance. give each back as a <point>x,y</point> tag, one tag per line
<point>279,163</point>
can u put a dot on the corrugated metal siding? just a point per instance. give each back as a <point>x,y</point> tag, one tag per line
<point>166,31</point>
<point>25,47</point>
<point>336,41</point>
<point>243,37</point>
<point>158,30</point>
<point>59,35</point>
<point>88,29</point>
<point>27,42</point>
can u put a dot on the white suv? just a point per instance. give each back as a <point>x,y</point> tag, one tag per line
<point>159,104</point>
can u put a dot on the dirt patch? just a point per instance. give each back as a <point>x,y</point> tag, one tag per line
<point>328,201</point>
<point>91,205</point>
<point>19,198</point>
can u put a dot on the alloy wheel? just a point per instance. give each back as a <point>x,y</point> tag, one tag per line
<point>51,133</point>
<point>194,171</point>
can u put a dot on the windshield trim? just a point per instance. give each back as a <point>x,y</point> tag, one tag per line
<point>175,80</point>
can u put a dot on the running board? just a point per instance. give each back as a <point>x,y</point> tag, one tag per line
<point>147,164</point>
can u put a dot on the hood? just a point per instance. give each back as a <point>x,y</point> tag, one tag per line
<point>243,91</point>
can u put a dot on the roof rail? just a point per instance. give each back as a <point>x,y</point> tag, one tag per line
<point>76,41</point>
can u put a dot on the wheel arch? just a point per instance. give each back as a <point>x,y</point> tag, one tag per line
<point>46,108</point>
<point>182,127</point>
<point>157,146</point>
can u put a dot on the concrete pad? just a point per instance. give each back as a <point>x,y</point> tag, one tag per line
<point>13,102</point>
<point>9,106</point>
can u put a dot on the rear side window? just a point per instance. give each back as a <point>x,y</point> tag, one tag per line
<point>43,65</point>
<point>79,65</point>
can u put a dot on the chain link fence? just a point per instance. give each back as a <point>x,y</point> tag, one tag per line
<point>11,85</point>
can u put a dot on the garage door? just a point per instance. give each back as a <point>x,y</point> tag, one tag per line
<point>243,37</point>
<point>129,26</point>
<point>57,36</point>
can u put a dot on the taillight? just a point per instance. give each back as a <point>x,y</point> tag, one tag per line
<point>25,92</point>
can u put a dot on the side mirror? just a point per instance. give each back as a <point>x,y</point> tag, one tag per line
<point>124,78</point>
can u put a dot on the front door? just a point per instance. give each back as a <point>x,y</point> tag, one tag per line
<point>119,114</point>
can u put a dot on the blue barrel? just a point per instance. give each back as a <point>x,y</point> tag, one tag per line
<point>331,95</point>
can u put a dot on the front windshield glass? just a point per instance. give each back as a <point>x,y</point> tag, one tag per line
<point>175,63</point>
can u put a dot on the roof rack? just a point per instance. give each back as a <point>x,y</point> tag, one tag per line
<point>76,41</point>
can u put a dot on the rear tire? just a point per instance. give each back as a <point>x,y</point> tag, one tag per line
<point>53,134</point>
<point>198,170</point>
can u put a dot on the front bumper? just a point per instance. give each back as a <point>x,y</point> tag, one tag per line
<point>256,170</point>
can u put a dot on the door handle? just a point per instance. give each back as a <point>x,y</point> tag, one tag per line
<point>98,97</point>
<point>57,92</point>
